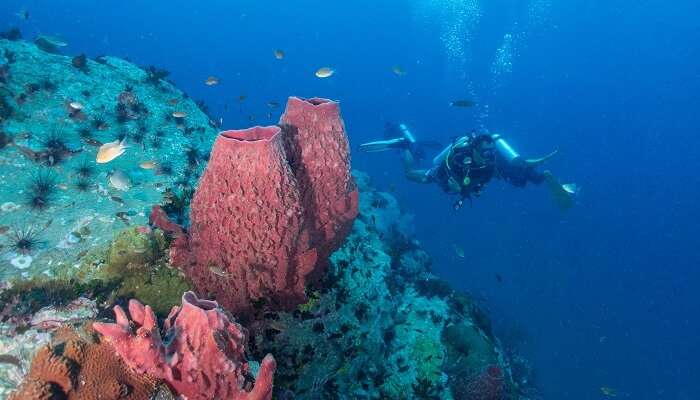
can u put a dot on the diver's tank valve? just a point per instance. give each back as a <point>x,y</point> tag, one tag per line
<point>504,148</point>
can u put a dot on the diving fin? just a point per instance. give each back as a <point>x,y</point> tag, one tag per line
<point>533,162</point>
<point>383,145</point>
<point>563,194</point>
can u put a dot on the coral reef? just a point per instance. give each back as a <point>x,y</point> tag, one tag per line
<point>18,350</point>
<point>202,356</point>
<point>380,327</point>
<point>55,112</point>
<point>76,366</point>
<point>347,305</point>
<point>270,208</point>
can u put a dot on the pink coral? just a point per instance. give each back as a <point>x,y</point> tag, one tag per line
<point>202,356</point>
<point>270,208</point>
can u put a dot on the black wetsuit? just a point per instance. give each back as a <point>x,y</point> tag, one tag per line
<point>459,164</point>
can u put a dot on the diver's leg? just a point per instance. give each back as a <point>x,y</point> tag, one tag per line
<point>419,175</point>
<point>534,176</point>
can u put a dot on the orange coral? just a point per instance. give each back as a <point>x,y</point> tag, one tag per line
<point>77,366</point>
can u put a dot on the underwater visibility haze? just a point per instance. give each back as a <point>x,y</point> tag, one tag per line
<point>418,199</point>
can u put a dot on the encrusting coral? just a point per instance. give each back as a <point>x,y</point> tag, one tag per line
<point>77,366</point>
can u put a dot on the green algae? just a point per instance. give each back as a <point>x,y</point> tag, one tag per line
<point>132,251</point>
<point>161,288</point>
<point>312,303</point>
<point>428,354</point>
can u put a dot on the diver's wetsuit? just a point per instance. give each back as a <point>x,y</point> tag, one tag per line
<point>466,166</point>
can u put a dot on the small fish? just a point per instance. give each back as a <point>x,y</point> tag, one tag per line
<point>76,105</point>
<point>218,271</point>
<point>4,229</point>
<point>117,199</point>
<point>269,115</point>
<point>397,70</point>
<point>499,278</point>
<point>325,72</point>
<point>179,114</point>
<point>212,81</point>
<point>458,251</point>
<point>273,104</point>
<point>462,103</point>
<point>123,216</point>
<point>23,14</point>
<point>92,142</point>
<point>279,54</point>
<point>251,117</point>
<point>608,391</point>
<point>110,151</point>
<point>62,186</point>
<point>173,101</point>
<point>120,181</point>
<point>150,164</point>
<point>103,126</point>
<point>242,98</point>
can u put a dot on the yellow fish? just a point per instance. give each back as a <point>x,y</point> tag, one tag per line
<point>110,151</point>
<point>279,54</point>
<point>325,72</point>
<point>212,81</point>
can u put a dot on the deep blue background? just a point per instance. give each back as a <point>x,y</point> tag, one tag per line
<point>604,295</point>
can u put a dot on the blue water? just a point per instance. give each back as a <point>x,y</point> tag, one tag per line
<point>603,295</point>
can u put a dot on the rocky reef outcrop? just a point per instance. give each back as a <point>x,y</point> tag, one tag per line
<point>382,326</point>
<point>55,113</point>
<point>376,324</point>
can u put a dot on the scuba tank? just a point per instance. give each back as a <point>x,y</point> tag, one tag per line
<point>407,134</point>
<point>504,149</point>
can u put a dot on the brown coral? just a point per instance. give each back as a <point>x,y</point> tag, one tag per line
<point>77,366</point>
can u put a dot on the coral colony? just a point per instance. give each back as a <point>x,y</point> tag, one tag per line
<point>267,268</point>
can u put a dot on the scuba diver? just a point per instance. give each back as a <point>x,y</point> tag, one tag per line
<point>469,163</point>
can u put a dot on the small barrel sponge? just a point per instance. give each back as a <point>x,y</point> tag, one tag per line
<point>203,356</point>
